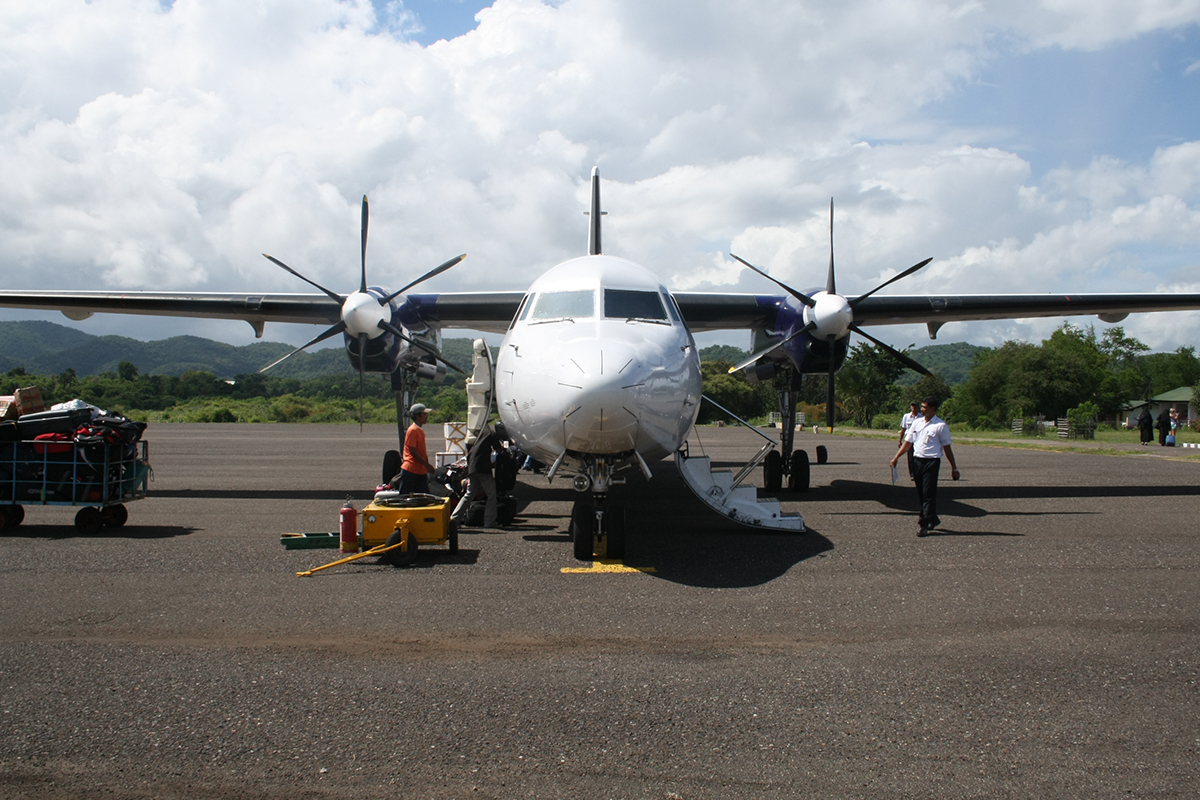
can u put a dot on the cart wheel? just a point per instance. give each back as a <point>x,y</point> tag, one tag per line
<point>453,536</point>
<point>88,520</point>
<point>400,557</point>
<point>114,516</point>
<point>11,516</point>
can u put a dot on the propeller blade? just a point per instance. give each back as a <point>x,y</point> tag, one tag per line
<point>771,349</point>
<point>896,354</point>
<point>830,408</point>
<point>433,351</point>
<point>362,368</point>
<point>279,263</point>
<point>333,331</point>
<point>438,270</point>
<point>829,283</point>
<point>889,282</point>
<point>803,298</point>
<point>365,214</point>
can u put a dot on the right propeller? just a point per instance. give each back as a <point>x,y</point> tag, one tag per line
<point>830,316</point>
<point>364,315</point>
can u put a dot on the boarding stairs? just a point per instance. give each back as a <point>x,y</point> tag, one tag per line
<point>723,492</point>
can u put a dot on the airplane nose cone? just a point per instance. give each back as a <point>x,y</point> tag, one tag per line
<point>600,412</point>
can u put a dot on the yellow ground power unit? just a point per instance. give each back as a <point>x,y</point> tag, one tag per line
<point>419,520</point>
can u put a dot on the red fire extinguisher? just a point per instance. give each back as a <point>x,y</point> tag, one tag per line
<point>348,519</point>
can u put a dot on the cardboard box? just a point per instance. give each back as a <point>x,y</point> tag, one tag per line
<point>29,400</point>
<point>8,407</point>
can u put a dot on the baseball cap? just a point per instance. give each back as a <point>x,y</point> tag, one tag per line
<point>417,408</point>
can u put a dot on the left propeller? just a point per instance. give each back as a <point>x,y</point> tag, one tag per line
<point>364,315</point>
<point>830,316</point>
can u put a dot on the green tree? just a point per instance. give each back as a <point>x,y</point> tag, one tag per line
<point>127,370</point>
<point>865,384</point>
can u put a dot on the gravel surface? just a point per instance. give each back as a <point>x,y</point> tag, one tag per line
<point>1043,644</point>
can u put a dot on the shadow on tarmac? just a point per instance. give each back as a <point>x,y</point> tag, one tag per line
<point>127,532</point>
<point>670,529</point>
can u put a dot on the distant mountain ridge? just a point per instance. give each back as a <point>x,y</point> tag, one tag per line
<point>47,348</point>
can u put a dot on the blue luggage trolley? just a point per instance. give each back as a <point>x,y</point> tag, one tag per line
<point>99,477</point>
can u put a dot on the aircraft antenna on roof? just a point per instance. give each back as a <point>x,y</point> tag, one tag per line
<point>594,215</point>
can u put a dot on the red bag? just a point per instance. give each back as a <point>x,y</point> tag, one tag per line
<point>53,443</point>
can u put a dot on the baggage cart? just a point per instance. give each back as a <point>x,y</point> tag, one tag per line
<point>100,478</point>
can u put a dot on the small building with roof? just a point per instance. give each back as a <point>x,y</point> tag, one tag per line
<point>1180,399</point>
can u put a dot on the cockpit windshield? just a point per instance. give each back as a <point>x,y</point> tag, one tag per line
<point>633,304</point>
<point>564,305</point>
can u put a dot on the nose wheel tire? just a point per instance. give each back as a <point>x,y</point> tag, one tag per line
<point>614,524</point>
<point>583,527</point>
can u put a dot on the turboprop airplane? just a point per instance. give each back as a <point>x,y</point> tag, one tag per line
<point>598,373</point>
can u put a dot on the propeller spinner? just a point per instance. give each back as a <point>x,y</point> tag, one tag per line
<point>830,316</point>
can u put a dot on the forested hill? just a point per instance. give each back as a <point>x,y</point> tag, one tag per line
<point>48,348</point>
<point>951,361</point>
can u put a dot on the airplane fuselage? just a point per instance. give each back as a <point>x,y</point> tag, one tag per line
<point>598,362</point>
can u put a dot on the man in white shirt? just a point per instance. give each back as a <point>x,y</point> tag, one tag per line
<point>928,438</point>
<point>910,416</point>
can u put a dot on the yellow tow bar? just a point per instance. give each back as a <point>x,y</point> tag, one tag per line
<point>374,551</point>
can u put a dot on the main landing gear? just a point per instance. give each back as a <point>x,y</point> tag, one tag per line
<point>790,465</point>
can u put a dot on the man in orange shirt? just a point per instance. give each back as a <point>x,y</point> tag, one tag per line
<point>415,468</point>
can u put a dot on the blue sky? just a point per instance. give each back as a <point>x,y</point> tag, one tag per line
<point>439,19</point>
<point>1024,146</point>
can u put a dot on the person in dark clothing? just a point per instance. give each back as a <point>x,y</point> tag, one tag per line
<point>1146,425</point>
<point>480,479</point>
<point>1163,425</point>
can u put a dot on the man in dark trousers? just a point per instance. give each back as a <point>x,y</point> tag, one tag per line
<point>928,438</point>
<point>480,479</point>
<point>1164,425</point>
<point>415,468</point>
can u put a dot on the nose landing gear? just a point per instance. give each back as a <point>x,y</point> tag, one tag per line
<point>597,526</point>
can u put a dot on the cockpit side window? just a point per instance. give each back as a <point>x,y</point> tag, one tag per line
<point>562,305</point>
<point>523,310</point>
<point>671,309</point>
<point>633,304</point>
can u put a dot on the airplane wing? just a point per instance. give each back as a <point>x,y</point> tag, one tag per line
<point>493,311</point>
<point>715,311</point>
<point>485,311</point>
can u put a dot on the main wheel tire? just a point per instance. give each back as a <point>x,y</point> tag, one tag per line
<point>822,454</point>
<point>583,526</point>
<point>401,557</point>
<point>88,520</point>
<point>114,516</point>
<point>614,525</point>
<point>391,465</point>
<point>798,476</point>
<point>773,471</point>
<point>453,536</point>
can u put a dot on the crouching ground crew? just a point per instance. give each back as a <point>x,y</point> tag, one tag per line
<point>928,437</point>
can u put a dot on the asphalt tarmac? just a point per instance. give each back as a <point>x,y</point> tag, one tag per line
<point>1043,644</point>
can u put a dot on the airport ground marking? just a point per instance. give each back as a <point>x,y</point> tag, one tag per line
<point>605,566</point>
